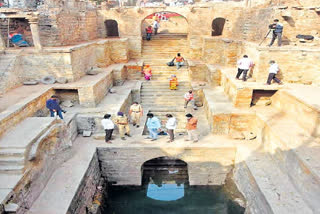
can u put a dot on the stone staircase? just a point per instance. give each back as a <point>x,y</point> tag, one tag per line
<point>286,167</point>
<point>155,94</point>
<point>16,146</point>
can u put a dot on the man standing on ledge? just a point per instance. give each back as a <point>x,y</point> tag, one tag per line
<point>123,125</point>
<point>273,70</point>
<point>192,128</point>
<point>53,106</point>
<point>244,66</point>
<point>136,113</point>
<point>277,29</point>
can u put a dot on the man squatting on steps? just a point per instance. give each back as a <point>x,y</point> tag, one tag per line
<point>123,125</point>
<point>244,66</point>
<point>135,113</point>
<point>108,127</point>
<point>188,97</point>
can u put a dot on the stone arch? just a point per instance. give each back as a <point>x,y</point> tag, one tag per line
<point>170,22</point>
<point>111,26</point>
<point>217,26</point>
<point>164,163</point>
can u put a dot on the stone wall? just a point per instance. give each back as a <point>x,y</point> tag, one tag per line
<point>15,114</point>
<point>297,65</point>
<point>175,24</point>
<point>87,188</point>
<point>221,51</point>
<point>67,23</point>
<point>206,166</point>
<point>73,62</point>
<point>130,23</point>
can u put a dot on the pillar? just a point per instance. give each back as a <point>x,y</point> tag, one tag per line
<point>2,42</point>
<point>35,32</point>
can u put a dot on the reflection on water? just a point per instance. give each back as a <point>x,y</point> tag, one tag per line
<point>166,190</point>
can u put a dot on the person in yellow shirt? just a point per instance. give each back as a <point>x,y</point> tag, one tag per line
<point>123,125</point>
<point>135,113</point>
<point>173,82</point>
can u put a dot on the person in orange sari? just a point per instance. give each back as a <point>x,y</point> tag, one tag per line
<point>173,82</point>
<point>147,72</point>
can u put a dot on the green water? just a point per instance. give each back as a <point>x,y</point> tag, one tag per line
<point>165,190</point>
<point>196,199</point>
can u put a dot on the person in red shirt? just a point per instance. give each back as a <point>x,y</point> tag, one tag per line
<point>179,61</point>
<point>149,32</point>
<point>191,128</point>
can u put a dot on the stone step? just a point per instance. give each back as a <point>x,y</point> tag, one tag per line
<point>163,108</point>
<point>25,132</point>
<point>295,151</point>
<point>172,95</point>
<point>8,152</point>
<point>263,181</point>
<point>11,169</point>
<point>11,161</point>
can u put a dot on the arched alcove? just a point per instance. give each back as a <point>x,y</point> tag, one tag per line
<point>165,178</point>
<point>217,26</point>
<point>111,28</point>
<point>170,23</point>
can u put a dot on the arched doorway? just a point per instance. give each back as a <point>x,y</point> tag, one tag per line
<point>171,24</point>
<point>111,28</point>
<point>217,26</point>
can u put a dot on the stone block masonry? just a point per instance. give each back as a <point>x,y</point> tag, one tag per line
<point>73,62</point>
<point>206,166</point>
<point>87,188</point>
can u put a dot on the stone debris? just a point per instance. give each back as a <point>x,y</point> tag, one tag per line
<point>67,103</point>
<point>112,90</point>
<point>31,82</point>
<point>86,133</point>
<point>249,135</point>
<point>11,208</point>
<point>62,80</point>
<point>48,80</point>
<point>93,71</point>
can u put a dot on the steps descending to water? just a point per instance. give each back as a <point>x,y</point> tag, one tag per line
<point>155,94</point>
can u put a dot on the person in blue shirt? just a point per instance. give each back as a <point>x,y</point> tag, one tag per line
<point>153,125</point>
<point>53,106</point>
<point>277,29</point>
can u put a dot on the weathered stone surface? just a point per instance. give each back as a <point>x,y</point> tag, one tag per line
<point>67,103</point>
<point>86,133</point>
<point>11,208</point>
<point>30,82</point>
<point>62,80</point>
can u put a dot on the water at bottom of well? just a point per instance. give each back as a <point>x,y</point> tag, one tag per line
<point>169,198</point>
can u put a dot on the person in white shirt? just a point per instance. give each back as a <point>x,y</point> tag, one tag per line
<point>171,125</point>
<point>273,70</point>
<point>156,26</point>
<point>108,126</point>
<point>244,66</point>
